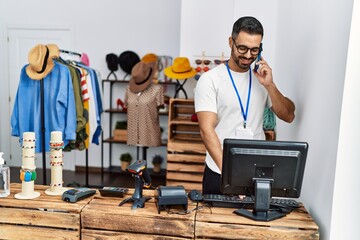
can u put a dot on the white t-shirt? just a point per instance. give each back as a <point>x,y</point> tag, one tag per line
<point>215,93</point>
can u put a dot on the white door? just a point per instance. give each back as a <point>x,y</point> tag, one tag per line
<point>20,41</point>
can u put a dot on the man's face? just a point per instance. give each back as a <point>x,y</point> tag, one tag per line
<point>244,42</point>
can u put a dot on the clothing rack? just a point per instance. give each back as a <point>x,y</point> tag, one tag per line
<point>70,52</point>
<point>43,128</point>
<point>42,113</point>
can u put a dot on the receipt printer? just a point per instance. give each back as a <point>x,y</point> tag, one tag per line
<point>166,196</point>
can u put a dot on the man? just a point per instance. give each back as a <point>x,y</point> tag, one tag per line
<point>230,99</point>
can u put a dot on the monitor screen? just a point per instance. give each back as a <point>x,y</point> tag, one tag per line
<point>248,164</point>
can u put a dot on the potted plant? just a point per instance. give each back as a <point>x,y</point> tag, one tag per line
<point>120,131</point>
<point>125,160</point>
<point>157,161</point>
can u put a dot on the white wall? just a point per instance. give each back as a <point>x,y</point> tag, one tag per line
<point>100,27</point>
<point>316,38</point>
<point>306,44</point>
<point>346,210</point>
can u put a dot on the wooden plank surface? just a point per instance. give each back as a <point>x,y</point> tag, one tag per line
<point>50,203</point>
<point>181,167</point>
<point>186,121</point>
<point>40,218</point>
<point>186,158</point>
<point>185,146</point>
<point>105,214</point>
<point>18,232</point>
<point>45,213</point>
<point>216,224</point>
<point>179,176</point>
<point>187,185</point>
<point>88,234</point>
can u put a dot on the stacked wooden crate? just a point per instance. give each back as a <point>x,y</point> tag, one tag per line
<point>103,218</point>
<point>44,217</point>
<point>186,151</point>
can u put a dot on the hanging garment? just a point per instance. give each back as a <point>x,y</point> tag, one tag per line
<point>143,118</point>
<point>59,106</point>
<point>97,101</point>
<point>81,119</point>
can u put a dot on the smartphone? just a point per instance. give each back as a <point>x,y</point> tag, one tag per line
<point>256,67</point>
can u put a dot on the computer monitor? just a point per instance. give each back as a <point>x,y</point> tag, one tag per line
<point>263,169</point>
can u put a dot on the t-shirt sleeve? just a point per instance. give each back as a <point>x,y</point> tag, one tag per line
<point>205,95</point>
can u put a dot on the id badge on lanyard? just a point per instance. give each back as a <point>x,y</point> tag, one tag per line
<point>243,132</point>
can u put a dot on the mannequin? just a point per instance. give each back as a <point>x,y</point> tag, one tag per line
<point>143,100</point>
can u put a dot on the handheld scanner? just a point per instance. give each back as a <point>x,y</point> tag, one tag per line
<point>137,167</point>
<point>146,178</point>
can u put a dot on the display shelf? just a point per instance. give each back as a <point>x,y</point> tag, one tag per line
<point>127,81</point>
<point>115,110</point>
<point>186,150</point>
<point>112,140</point>
<point>111,110</point>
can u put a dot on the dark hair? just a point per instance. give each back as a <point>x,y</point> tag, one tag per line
<point>247,24</point>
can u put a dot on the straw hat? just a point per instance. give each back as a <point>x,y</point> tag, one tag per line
<point>180,69</point>
<point>54,50</point>
<point>40,60</point>
<point>142,75</point>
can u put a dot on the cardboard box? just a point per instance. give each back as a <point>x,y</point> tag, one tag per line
<point>120,134</point>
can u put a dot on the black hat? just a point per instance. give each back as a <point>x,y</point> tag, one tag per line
<point>112,62</point>
<point>127,60</point>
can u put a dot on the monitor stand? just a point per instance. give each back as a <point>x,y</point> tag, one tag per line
<point>261,210</point>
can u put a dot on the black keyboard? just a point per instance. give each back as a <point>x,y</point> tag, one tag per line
<point>228,201</point>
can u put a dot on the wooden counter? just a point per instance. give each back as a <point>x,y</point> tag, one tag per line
<point>102,218</point>
<point>97,217</point>
<point>44,217</point>
<point>222,223</point>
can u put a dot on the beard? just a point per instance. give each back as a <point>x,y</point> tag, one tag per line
<point>242,62</point>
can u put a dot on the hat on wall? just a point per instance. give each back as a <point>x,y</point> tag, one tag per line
<point>141,76</point>
<point>150,57</point>
<point>40,61</point>
<point>85,59</point>
<point>112,62</point>
<point>127,61</point>
<point>180,69</point>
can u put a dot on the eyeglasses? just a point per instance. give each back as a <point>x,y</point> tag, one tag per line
<point>242,49</point>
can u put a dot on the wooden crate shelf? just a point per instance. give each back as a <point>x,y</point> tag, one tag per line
<point>216,224</point>
<point>102,218</point>
<point>44,217</point>
<point>186,151</point>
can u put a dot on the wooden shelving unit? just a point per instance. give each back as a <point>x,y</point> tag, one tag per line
<point>108,96</point>
<point>186,151</point>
